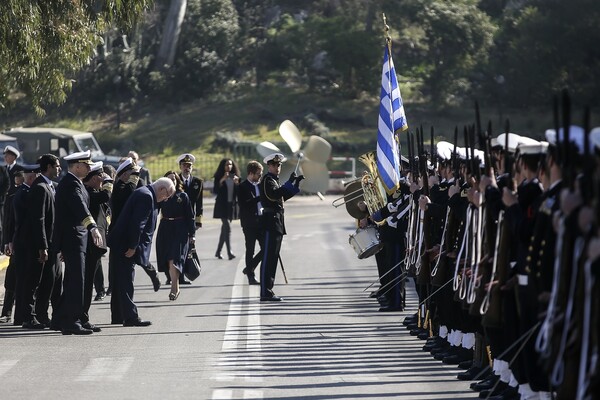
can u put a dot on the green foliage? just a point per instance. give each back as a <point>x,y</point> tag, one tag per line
<point>548,46</point>
<point>452,38</point>
<point>43,43</point>
<point>209,32</point>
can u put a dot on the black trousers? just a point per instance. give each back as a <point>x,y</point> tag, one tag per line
<point>43,284</point>
<point>70,308</point>
<point>123,289</point>
<point>268,268</point>
<point>92,264</point>
<point>99,281</point>
<point>251,237</point>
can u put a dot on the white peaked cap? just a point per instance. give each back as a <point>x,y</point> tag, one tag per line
<point>277,157</point>
<point>513,141</point>
<point>445,150</point>
<point>80,156</point>
<point>13,150</point>
<point>125,165</point>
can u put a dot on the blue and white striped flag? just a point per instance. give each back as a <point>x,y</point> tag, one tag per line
<point>391,119</point>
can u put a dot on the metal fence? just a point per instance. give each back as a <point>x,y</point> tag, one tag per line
<point>340,168</point>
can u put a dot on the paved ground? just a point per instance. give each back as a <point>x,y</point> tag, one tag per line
<point>217,341</point>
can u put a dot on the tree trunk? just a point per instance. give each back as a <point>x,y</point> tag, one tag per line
<point>170,37</point>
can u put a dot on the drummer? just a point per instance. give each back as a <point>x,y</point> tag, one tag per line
<point>392,226</point>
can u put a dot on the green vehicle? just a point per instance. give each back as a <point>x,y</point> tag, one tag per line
<point>33,142</point>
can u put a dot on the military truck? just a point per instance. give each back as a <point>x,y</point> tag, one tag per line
<point>33,142</point>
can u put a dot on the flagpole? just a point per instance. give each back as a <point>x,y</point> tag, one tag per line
<point>388,43</point>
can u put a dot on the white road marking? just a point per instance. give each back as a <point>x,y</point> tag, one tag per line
<point>222,394</point>
<point>6,365</point>
<point>253,394</point>
<point>105,369</point>
<point>232,364</point>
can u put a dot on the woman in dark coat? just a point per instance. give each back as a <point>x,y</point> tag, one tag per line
<point>227,178</point>
<point>176,233</point>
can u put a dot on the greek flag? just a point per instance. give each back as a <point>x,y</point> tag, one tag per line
<point>391,119</point>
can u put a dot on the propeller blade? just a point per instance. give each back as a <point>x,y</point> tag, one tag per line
<point>292,136</point>
<point>266,148</point>
<point>317,149</point>
<point>317,177</point>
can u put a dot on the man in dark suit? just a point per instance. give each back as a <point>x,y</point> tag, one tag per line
<point>130,241</point>
<point>44,274</point>
<point>8,227</point>
<point>251,218</point>
<point>272,196</point>
<point>126,182</point>
<point>73,224</point>
<point>19,244</point>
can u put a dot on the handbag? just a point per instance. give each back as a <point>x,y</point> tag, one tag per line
<point>192,268</point>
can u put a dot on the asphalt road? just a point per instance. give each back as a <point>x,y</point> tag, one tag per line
<point>217,341</point>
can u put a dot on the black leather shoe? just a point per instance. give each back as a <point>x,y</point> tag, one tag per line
<point>252,281</point>
<point>75,329</point>
<point>485,384</point>
<point>34,324</point>
<point>155,281</point>
<point>423,335</point>
<point>100,296</point>
<point>271,298</point>
<point>493,391</point>
<point>219,256</point>
<point>469,374</point>
<point>411,319</point>
<point>231,256</point>
<point>92,327</point>
<point>510,393</point>
<point>465,364</point>
<point>136,322</point>
<point>109,291</point>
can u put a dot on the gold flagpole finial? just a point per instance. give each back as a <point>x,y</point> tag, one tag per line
<point>386,29</point>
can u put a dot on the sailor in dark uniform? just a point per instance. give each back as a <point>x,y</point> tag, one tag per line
<point>272,196</point>
<point>130,242</point>
<point>248,194</point>
<point>192,185</point>
<point>73,224</point>
<point>7,177</point>
<point>99,187</point>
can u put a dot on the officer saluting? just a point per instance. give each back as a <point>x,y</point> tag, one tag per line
<point>272,196</point>
<point>73,225</point>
